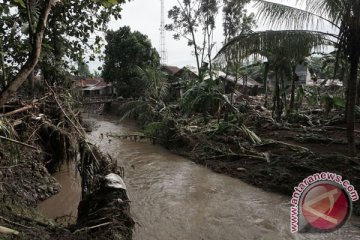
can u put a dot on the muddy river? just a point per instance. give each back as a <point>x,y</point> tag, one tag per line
<point>173,198</point>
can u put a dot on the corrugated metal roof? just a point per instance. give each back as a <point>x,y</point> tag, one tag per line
<point>240,82</point>
<point>92,82</point>
<point>94,88</point>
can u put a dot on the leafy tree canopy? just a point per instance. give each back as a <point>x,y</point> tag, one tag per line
<point>73,29</point>
<point>124,53</point>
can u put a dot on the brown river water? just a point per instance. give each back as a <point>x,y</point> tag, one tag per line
<point>173,198</point>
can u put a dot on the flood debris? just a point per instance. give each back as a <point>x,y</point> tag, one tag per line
<point>105,206</point>
<point>106,209</point>
<point>36,138</point>
<point>251,145</point>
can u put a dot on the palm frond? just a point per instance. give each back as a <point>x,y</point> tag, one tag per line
<point>155,83</point>
<point>280,15</point>
<point>292,43</point>
<point>333,10</point>
<point>133,108</point>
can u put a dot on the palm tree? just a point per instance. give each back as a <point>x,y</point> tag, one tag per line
<point>155,90</point>
<point>344,18</point>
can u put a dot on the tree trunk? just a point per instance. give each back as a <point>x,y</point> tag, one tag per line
<point>284,106</point>
<point>351,100</point>
<point>277,99</point>
<point>34,56</point>
<point>196,53</point>
<point>293,87</point>
<point>31,40</point>
<point>266,72</point>
<point>2,61</point>
<point>209,34</point>
<point>358,93</point>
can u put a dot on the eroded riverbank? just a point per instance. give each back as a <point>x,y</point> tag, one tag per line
<point>173,198</point>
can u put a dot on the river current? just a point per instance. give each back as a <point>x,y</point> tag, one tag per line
<point>173,198</point>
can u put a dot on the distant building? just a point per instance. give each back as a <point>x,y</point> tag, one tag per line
<point>94,87</point>
<point>243,83</point>
<point>304,74</point>
<point>178,79</point>
<point>187,73</point>
<point>169,70</point>
<point>301,71</point>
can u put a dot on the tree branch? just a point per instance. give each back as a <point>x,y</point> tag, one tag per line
<point>34,56</point>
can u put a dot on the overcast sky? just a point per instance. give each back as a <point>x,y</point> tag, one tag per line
<point>145,15</point>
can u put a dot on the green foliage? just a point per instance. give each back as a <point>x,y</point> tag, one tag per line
<point>329,101</point>
<point>316,96</point>
<point>67,37</point>
<point>153,129</point>
<point>188,18</point>
<point>236,19</point>
<point>7,130</point>
<point>206,97</point>
<point>328,67</point>
<point>290,43</point>
<point>154,92</point>
<point>21,3</point>
<point>125,52</point>
<point>83,69</point>
<point>203,96</point>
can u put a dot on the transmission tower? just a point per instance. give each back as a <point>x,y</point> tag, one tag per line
<point>163,52</point>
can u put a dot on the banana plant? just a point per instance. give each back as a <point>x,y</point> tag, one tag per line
<point>342,15</point>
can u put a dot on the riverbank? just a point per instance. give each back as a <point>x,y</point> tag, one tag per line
<point>270,155</point>
<point>37,138</point>
<point>174,198</point>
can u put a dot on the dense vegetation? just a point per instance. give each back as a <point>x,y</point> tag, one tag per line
<point>125,52</point>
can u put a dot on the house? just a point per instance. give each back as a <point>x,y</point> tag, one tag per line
<point>94,87</point>
<point>178,78</point>
<point>187,73</point>
<point>169,70</point>
<point>303,73</point>
<point>243,83</point>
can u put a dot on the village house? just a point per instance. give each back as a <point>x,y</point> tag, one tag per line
<point>176,77</point>
<point>242,84</point>
<point>94,87</point>
<point>303,73</point>
<point>169,70</point>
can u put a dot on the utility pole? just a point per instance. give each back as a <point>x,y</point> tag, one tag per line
<point>163,52</point>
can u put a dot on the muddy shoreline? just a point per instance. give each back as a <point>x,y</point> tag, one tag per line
<point>290,157</point>
<point>37,142</point>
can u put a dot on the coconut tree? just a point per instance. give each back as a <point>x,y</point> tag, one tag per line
<point>342,15</point>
